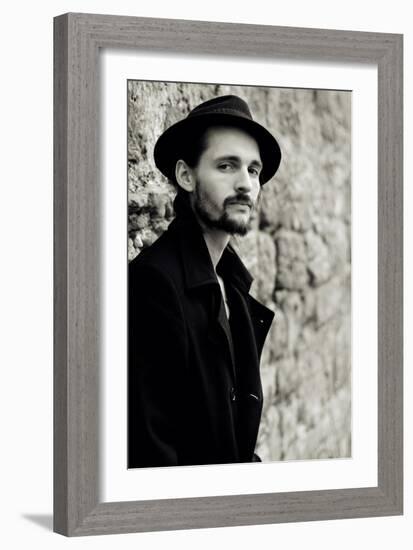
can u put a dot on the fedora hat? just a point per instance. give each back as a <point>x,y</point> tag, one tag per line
<point>227,110</point>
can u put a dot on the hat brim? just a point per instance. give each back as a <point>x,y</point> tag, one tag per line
<point>171,144</point>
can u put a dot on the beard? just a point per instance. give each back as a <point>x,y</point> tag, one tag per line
<point>225,221</point>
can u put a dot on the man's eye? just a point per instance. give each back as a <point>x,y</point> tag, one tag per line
<point>254,171</point>
<point>225,166</point>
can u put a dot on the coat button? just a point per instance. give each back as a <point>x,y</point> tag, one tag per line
<point>233,394</point>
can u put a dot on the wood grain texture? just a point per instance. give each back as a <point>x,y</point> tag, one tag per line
<point>390,273</point>
<point>60,486</point>
<point>78,39</point>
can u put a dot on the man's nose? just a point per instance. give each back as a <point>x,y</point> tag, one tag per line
<point>243,181</point>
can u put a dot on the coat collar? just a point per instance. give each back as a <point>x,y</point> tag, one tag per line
<point>197,262</point>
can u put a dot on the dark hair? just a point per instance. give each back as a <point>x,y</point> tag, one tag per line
<point>181,203</point>
<point>193,149</point>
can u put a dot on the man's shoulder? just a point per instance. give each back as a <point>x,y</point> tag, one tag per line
<point>162,257</point>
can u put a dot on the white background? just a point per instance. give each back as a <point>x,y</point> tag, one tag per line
<point>120,484</point>
<point>26,300</point>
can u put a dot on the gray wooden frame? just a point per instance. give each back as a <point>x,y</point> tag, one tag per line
<point>78,40</point>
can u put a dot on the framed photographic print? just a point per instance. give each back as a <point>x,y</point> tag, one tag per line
<point>243,366</point>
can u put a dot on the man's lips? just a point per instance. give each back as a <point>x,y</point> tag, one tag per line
<point>239,203</point>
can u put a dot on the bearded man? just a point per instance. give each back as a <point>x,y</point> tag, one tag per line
<point>195,334</point>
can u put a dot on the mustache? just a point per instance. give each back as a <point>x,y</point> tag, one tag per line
<point>240,198</point>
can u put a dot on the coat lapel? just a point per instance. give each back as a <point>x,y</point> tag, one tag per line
<point>199,274</point>
<point>261,317</point>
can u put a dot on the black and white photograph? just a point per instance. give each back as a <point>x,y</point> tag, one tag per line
<point>239,274</point>
<point>206,252</point>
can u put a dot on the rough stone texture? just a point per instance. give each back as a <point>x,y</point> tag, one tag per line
<point>299,251</point>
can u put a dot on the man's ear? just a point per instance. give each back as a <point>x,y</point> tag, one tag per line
<point>184,176</point>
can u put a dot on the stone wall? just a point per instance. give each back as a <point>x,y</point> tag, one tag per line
<point>298,252</point>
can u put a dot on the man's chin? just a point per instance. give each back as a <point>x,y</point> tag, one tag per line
<point>233,223</point>
<point>236,224</point>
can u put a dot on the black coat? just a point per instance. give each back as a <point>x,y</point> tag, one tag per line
<point>194,389</point>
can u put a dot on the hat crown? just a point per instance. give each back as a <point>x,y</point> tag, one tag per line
<point>227,104</point>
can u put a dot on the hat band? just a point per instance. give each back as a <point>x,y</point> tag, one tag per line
<point>221,111</point>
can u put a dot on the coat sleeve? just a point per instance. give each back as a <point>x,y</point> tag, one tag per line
<point>156,364</point>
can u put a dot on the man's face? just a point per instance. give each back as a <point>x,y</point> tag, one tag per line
<point>227,180</point>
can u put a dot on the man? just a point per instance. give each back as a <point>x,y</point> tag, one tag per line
<point>195,334</point>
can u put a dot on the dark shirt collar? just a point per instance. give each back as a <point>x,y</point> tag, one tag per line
<point>197,263</point>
